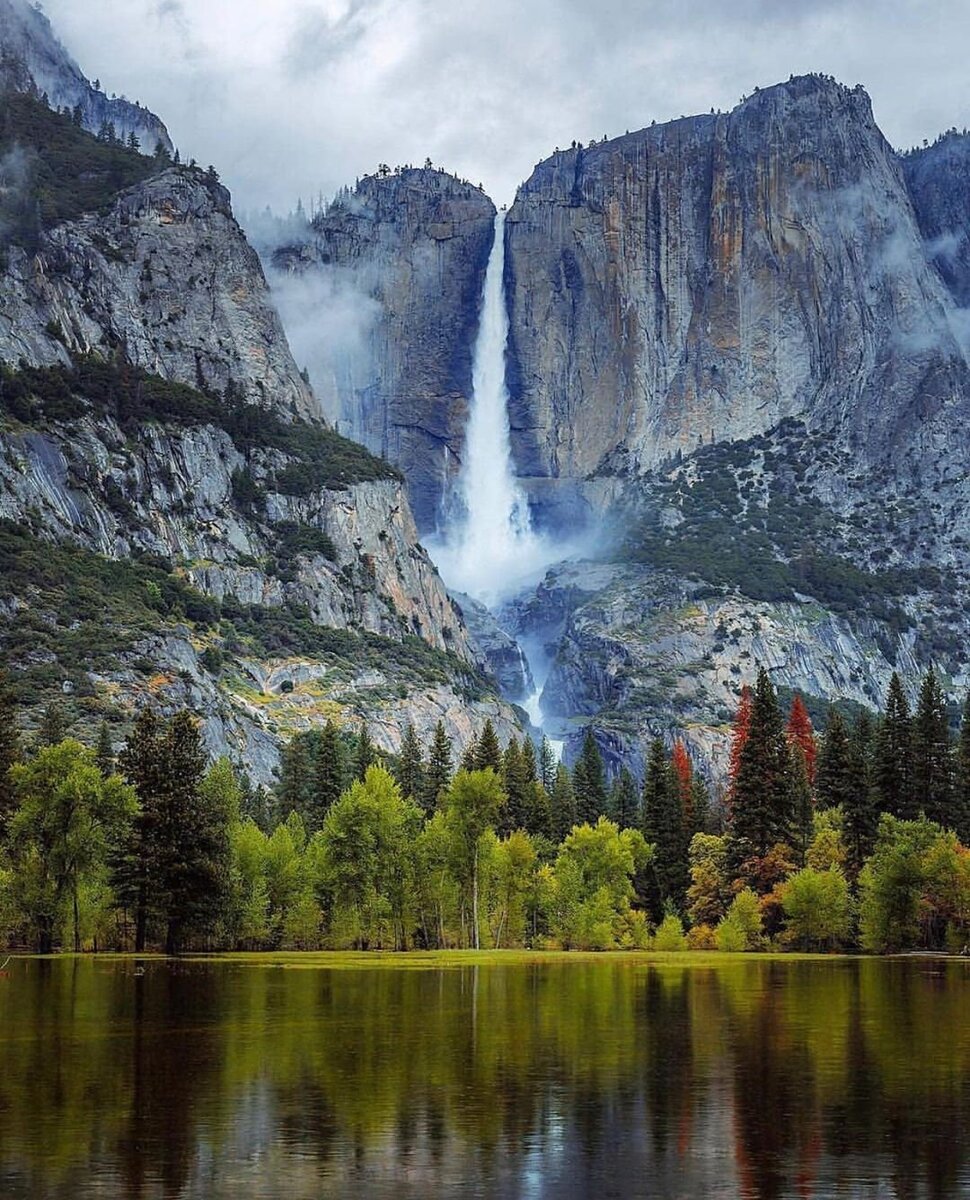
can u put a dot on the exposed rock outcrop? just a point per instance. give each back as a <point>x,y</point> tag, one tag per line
<point>705,279</point>
<point>32,58</point>
<point>938,177</point>
<point>166,275</point>
<point>395,271</point>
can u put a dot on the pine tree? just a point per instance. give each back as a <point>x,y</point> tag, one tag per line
<point>488,752</point>
<point>365,754</point>
<point>295,791</point>
<point>701,805</point>
<point>625,802</point>
<point>53,725</point>
<point>410,767</point>
<point>547,766</point>
<point>739,736</point>
<point>563,804</point>
<point>469,757</point>
<point>104,753</point>
<point>761,815</point>
<point>9,751</point>
<point>329,777</point>
<point>589,783</point>
<point>799,731</point>
<point>516,810</point>
<point>833,781</point>
<point>803,804</point>
<point>193,841</point>
<point>438,774</point>
<point>530,767</point>
<point>663,828</point>
<point>893,758</point>
<point>961,799</point>
<point>933,754</point>
<point>142,763</point>
<point>860,808</point>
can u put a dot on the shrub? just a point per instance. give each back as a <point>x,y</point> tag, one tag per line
<point>701,937</point>
<point>741,927</point>
<point>670,934</point>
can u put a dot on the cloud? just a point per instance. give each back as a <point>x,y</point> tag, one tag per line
<point>301,95</point>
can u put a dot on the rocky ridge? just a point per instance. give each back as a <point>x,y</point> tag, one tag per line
<point>396,268</point>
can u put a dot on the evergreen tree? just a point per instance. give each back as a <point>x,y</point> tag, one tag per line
<point>438,775</point>
<point>365,754</point>
<point>563,804</point>
<point>860,811</point>
<point>893,758</point>
<point>761,815</point>
<point>518,790</point>
<point>799,731</point>
<point>104,754</point>
<point>143,766</point>
<point>833,781</point>
<point>701,805</point>
<point>625,802</point>
<point>803,806</point>
<point>961,799</point>
<point>663,828</point>
<point>9,751</point>
<point>547,766</point>
<point>589,783</point>
<point>530,768</point>
<point>174,865</point>
<point>469,757</point>
<point>193,841</point>
<point>933,754</point>
<point>53,725</point>
<point>739,736</point>
<point>329,777</point>
<point>488,753</point>
<point>295,791</point>
<point>410,767</point>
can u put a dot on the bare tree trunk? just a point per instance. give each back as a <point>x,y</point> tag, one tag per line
<point>475,943</point>
<point>77,930</point>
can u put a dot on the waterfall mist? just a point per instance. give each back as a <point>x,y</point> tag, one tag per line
<point>489,548</point>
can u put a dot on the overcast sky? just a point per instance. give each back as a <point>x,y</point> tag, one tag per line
<point>288,97</point>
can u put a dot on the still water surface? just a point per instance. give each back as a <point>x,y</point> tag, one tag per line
<point>615,1077</point>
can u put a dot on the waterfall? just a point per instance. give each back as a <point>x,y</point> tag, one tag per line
<point>490,550</point>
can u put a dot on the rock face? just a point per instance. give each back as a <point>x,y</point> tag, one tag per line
<point>216,544</point>
<point>703,280</point>
<point>392,277</point>
<point>168,275</point>
<point>32,58</point>
<point>938,177</point>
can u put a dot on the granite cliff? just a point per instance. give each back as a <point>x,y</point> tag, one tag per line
<point>177,519</point>
<point>395,269</point>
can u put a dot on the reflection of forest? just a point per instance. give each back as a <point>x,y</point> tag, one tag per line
<point>755,1078</point>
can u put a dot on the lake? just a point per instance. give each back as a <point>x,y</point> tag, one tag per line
<point>611,1076</point>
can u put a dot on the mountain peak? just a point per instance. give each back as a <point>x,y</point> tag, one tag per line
<point>32,59</point>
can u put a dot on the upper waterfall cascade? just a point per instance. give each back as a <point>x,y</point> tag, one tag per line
<point>490,549</point>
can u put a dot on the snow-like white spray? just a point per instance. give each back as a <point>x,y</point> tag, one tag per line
<point>490,550</point>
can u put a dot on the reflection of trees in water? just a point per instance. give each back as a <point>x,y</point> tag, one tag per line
<point>805,1072</point>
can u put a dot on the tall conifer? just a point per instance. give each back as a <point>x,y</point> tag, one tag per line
<point>893,755</point>
<point>933,754</point>
<point>9,751</point>
<point>438,774</point>
<point>589,782</point>
<point>761,814</point>
<point>663,828</point>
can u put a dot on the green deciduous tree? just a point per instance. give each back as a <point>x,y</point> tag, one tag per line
<point>365,858</point>
<point>817,907</point>
<point>472,804</point>
<point>67,813</point>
